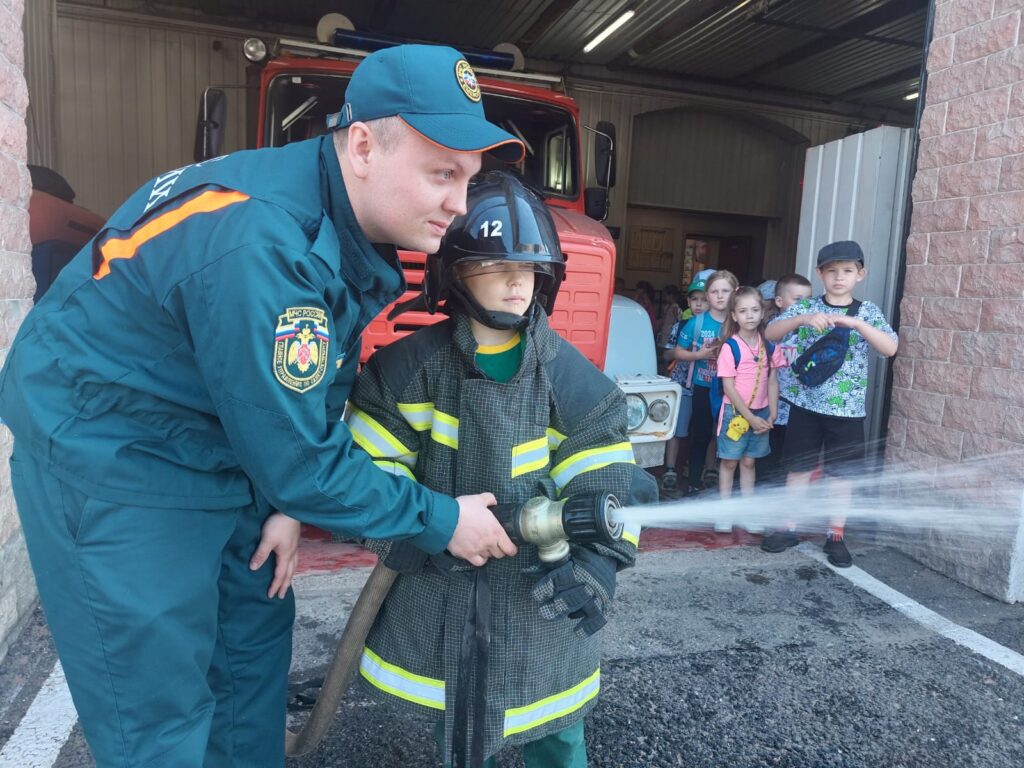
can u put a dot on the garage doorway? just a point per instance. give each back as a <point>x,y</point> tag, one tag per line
<point>734,253</point>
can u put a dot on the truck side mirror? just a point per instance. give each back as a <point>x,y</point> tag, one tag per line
<point>604,154</point>
<point>210,125</point>
<point>595,202</point>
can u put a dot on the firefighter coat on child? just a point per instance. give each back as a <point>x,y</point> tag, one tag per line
<point>422,407</point>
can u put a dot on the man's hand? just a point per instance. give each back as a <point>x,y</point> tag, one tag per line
<point>478,534</point>
<point>280,536</point>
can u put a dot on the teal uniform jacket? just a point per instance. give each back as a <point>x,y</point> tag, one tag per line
<point>198,352</point>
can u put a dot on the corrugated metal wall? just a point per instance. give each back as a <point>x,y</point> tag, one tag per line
<point>129,92</point>
<point>40,26</point>
<point>855,189</point>
<point>621,105</point>
<point>703,161</point>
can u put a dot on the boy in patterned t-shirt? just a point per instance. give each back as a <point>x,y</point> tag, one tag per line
<point>830,415</point>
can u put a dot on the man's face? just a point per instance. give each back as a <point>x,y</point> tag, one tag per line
<point>840,277</point>
<point>503,287</point>
<point>415,191</point>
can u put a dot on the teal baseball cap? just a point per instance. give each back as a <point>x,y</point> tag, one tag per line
<point>434,90</point>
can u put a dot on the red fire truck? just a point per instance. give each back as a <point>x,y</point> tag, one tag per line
<point>299,83</point>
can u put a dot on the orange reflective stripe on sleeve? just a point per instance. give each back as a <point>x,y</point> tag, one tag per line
<point>125,247</point>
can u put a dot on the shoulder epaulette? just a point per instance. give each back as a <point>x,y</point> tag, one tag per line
<point>577,385</point>
<point>400,360</point>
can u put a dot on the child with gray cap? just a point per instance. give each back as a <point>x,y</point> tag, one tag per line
<point>833,335</point>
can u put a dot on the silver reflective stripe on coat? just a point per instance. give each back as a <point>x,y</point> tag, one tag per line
<point>594,458</point>
<point>392,679</point>
<point>370,435</point>
<point>445,430</point>
<point>531,456</point>
<point>419,415</point>
<point>560,704</point>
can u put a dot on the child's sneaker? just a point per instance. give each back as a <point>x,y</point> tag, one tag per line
<point>710,479</point>
<point>837,552</point>
<point>754,528</point>
<point>669,480</point>
<point>723,526</point>
<point>779,541</point>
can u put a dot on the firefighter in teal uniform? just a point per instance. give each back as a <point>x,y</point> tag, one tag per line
<point>185,377</point>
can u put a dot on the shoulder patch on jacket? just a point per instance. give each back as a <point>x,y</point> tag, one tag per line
<point>400,361</point>
<point>302,340</point>
<point>576,384</point>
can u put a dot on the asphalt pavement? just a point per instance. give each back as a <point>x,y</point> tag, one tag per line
<point>713,657</point>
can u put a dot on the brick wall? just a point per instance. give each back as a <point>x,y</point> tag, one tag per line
<point>17,589</point>
<point>959,377</point>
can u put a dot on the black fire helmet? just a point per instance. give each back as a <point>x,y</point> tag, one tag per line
<point>504,222</point>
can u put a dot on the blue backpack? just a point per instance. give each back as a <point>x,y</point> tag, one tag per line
<point>826,356</point>
<point>717,393</point>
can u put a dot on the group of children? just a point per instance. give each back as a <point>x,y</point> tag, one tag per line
<point>749,392</point>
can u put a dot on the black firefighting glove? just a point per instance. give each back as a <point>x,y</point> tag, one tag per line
<point>580,588</point>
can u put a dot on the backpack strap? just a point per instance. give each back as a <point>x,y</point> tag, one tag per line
<point>735,350</point>
<point>854,308</point>
<point>698,326</point>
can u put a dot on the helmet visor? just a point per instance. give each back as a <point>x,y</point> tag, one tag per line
<point>474,267</point>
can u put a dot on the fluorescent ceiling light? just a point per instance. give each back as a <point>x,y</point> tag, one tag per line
<point>608,30</point>
<point>910,96</point>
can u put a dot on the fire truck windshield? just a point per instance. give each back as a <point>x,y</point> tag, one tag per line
<point>298,105</point>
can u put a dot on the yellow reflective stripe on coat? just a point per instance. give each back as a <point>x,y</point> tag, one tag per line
<point>372,437</point>
<point>532,715</point>
<point>531,456</point>
<point>394,468</point>
<point>555,438</point>
<point>589,460</point>
<point>392,679</point>
<point>419,415</point>
<point>445,429</point>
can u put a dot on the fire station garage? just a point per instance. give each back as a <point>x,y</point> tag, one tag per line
<point>682,135</point>
<point>714,103</point>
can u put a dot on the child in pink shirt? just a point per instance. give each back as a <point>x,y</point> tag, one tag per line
<point>751,391</point>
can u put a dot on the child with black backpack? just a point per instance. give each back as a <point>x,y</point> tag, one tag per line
<point>747,366</point>
<point>826,386</point>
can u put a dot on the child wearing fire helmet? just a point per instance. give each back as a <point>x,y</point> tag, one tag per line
<point>493,399</point>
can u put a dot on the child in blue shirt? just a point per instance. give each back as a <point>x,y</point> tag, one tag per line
<point>699,343</point>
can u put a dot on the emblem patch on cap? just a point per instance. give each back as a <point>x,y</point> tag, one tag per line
<point>301,341</point>
<point>467,80</point>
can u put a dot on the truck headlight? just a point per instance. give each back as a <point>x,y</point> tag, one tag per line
<point>254,49</point>
<point>636,411</point>
<point>659,410</point>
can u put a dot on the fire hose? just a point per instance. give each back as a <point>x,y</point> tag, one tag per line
<point>548,524</point>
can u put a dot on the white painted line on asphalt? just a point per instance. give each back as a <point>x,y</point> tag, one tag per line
<point>910,608</point>
<point>37,741</point>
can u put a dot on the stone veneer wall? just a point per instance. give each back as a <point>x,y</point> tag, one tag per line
<point>958,390</point>
<point>17,588</point>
